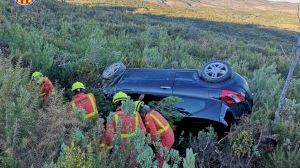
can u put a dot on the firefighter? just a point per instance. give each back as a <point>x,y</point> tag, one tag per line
<point>46,86</point>
<point>85,101</point>
<point>156,124</point>
<point>129,123</point>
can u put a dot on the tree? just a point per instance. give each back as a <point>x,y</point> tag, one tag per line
<point>295,60</point>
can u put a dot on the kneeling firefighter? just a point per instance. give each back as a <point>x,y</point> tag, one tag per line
<point>85,101</point>
<point>129,123</point>
<point>46,86</point>
<point>156,124</point>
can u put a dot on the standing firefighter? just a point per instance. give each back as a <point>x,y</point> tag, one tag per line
<point>129,123</point>
<point>156,126</point>
<point>46,86</point>
<point>84,101</point>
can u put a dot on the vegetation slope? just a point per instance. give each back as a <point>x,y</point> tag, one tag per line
<point>259,12</point>
<point>76,41</point>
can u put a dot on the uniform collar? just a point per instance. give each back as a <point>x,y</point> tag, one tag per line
<point>78,95</point>
<point>119,110</point>
<point>41,80</point>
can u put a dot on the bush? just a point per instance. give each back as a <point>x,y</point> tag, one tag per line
<point>287,131</point>
<point>32,46</point>
<point>189,161</point>
<point>291,110</point>
<point>54,126</point>
<point>152,58</point>
<point>74,157</point>
<point>266,85</point>
<point>18,107</point>
<point>242,143</point>
<point>282,158</point>
<point>205,145</point>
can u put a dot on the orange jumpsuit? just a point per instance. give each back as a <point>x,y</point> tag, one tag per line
<point>129,125</point>
<point>87,102</point>
<point>156,124</point>
<point>46,88</point>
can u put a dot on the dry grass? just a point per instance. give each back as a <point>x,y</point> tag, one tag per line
<point>54,127</point>
<point>268,16</point>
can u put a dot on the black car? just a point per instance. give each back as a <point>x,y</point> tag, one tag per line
<point>214,96</point>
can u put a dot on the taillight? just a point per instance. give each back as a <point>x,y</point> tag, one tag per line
<point>231,97</point>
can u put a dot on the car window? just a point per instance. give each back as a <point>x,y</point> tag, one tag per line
<point>191,105</point>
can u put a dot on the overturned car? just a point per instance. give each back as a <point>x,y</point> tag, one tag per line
<point>214,95</point>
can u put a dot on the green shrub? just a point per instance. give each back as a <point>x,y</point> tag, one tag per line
<point>189,161</point>
<point>242,143</point>
<point>18,105</point>
<point>32,46</point>
<point>74,157</point>
<point>205,145</point>
<point>282,158</point>
<point>152,58</point>
<point>266,85</point>
<point>287,131</point>
<point>291,110</point>
<point>294,92</point>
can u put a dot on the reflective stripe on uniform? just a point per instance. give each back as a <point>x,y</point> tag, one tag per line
<point>163,128</point>
<point>91,114</point>
<point>137,124</point>
<point>24,1</point>
<point>120,99</point>
<point>87,116</point>
<point>74,105</point>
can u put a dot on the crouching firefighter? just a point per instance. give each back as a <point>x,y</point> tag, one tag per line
<point>129,123</point>
<point>85,101</point>
<point>46,86</point>
<point>157,126</point>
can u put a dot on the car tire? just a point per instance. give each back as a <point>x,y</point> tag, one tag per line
<point>216,71</point>
<point>112,71</point>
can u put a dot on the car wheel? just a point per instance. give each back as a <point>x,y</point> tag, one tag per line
<point>113,71</point>
<point>216,71</point>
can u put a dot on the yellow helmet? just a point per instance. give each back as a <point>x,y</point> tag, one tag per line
<point>36,75</point>
<point>120,96</point>
<point>138,105</point>
<point>77,85</point>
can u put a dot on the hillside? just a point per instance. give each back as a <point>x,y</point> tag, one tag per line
<point>258,12</point>
<point>74,40</point>
<point>231,4</point>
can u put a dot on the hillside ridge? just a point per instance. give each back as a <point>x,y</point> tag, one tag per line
<point>233,4</point>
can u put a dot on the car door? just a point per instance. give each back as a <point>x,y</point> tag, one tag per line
<point>201,108</point>
<point>197,101</point>
<point>185,84</point>
<point>147,81</point>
